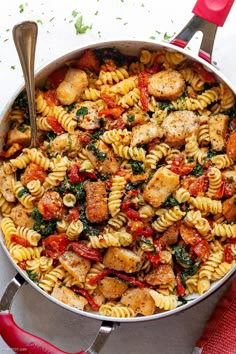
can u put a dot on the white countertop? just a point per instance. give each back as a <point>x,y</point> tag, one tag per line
<point>110,19</point>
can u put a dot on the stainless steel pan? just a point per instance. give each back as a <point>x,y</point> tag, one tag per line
<point>208,15</point>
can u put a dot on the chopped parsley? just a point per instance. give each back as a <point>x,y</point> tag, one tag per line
<point>130,118</point>
<point>132,185</point>
<point>88,228</point>
<point>13,67</point>
<point>21,8</point>
<point>76,188</point>
<point>80,27</point>
<point>22,128</point>
<point>32,276</point>
<point>166,36</point>
<point>70,107</point>
<point>74,13</point>
<point>22,192</point>
<point>149,243</point>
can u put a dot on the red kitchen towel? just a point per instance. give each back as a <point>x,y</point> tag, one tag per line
<point>219,335</point>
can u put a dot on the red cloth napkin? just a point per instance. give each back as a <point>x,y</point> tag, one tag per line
<point>219,335</point>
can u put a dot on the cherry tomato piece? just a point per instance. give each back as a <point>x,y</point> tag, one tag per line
<point>56,126</point>
<point>56,77</point>
<point>51,205</point>
<point>202,250</point>
<point>50,97</point>
<point>55,245</point>
<point>228,254</point>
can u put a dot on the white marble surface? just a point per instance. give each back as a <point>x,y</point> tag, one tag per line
<point>110,19</point>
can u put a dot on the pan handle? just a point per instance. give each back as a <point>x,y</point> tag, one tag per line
<point>209,14</point>
<point>20,340</point>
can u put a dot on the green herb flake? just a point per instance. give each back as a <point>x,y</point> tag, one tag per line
<point>152,37</point>
<point>96,13</point>
<point>21,8</point>
<point>81,112</point>
<point>39,21</point>
<point>166,36</point>
<point>22,192</point>
<point>32,276</point>
<point>197,171</point>
<point>170,201</point>
<point>74,13</point>
<point>13,67</point>
<point>51,19</point>
<point>130,118</point>
<point>230,179</point>
<point>234,201</point>
<point>80,27</point>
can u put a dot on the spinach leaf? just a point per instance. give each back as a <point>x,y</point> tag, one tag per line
<point>170,201</point>
<point>182,256</point>
<point>132,185</point>
<point>101,156</point>
<point>87,226</point>
<point>197,171</point>
<point>44,227</point>
<point>137,167</point>
<point>130,118</point>
<point>70,107</point>
<point>189,272</point>
<point>81,112</point>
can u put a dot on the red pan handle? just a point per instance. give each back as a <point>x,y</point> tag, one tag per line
<point>23,342</point>
<point>215,11</point>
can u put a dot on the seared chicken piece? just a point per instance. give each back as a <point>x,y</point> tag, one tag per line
<point>68,297</point>
<point>134,116</point>
<point>122,259</point>
<point>112,288</point>
<point>170,236</point>
<point>163,183</point>
<point>229,208</point>
<point>65,143</point>
<point>18,136</point>
<point>218,125</point>
<point>75,265</point>
<point>20,217</point>
<point>139,300</point>
<point>87,115</point>
<point>230,176</point>
<point>143,134</point>
<point>6,185</point>
<point>96,200</point>
<point>162,274</point>
<point>178,125</point>
<point>73,85</point>
<point>166,84</point>
<point>102,158</point>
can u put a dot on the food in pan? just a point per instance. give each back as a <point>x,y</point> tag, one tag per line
<point>128,204</point>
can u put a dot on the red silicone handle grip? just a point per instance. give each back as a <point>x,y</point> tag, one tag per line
<point>23,342</point>
<point>215,11</point>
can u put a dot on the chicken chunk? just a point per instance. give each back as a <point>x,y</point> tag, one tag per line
<point>112,288</point>
<point>178,125</point>
<point>122,259</point>
<point>139,300</point>
<point>143,134</point>
<point>230,176</point>
<point>134,116</point>
<point>73,85</point>
<point>102,158</point>
<point>96,200</point>
<point>68,297</point>
<point>66,143</point>
<point>18,136</point>
<point>163,183</point>
<point>5,185</point>
<point>162,274</point>
<point>166,85</point>
<point>20,217</point>
<point>170,236</point>
<point>229,209</point>
<point>75,265</point>
<point>33,172</point>
<point>87,115</point>
<point>218,125</point>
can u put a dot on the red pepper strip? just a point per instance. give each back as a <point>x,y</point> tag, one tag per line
<point>76,177</point>
<point>132,214</point>
<point>88,61</point>
<point>50,97</point>
<point>83,250</point>
<point>228,254</point>
<point>180,288</point>
<point>221,190</point>
<point>128,278</point>
<point>232,240</point>
<point>203,73</point>
<point>84,293</point>
<point>143,88</point>
<point>115,112</point>
<point>56,126</point>
<point>98,277</point>
<point>108,100</point>
<point>21,241</point>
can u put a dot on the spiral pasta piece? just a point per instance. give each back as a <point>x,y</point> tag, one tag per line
<point>192,78</point>
<point>31,236</point>
<point>117,136</point>
<point>208,267</point>
<point>90,94</point>
<point>195,219</point>
<point>49,280</point>
<point>224,230</point>
<point>182,195</point>
<point>128,152</point>
<point>66,120</point>
<point>124,86</point>
<point>227,99</point>
<point>167,219</point>
<point>5,206</point>
<point>8,228</point>
<point>118,220</point>
<point>20,253</point>
<point>37,157</point>
<point>164,302</point>
<point>74,230</point>
<point>206,204</point>
<point>192,150</point>
<point>109,77</point>
<point>35,188</point>
<point>41,104</point>
<point>42,124</point>
<point>203,136</point>
<point>203,285</point>
<point>58,172</point>
<point>20,162</point>
<point>117,190</point>
<point>111,239</point>
<point>215,179</point>
<point>21,193</point>
<point>222,161</point>
<point>156,154</point>
<point>222,270</point>
<point>96,269</point>
<point>130,98</point>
